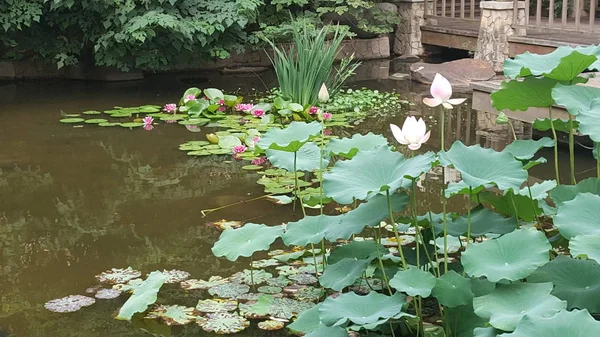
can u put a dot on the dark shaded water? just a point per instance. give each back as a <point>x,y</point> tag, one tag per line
<point>77,201</point>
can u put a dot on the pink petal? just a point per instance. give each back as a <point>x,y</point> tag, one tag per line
<point>432,102</point>
<point>441,88</point>
<point>398,134</point>
<point>426,137</point>
<point>421,128</point>
<point>447,105</point>
<point>456,101</point>
<point>414,146</point>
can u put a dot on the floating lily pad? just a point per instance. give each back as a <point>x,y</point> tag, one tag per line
<point>271,325</point>
<point>107,294</point>
<point>201,284</point>
<point>95,121</point>
<point>265,263</point>
<point>285,256</point>
<point>174,314</point>
<point>143,296</point>
<point>252,167</point>
<point>70,303</point>
<point>199,153</point>
<point>118,275</point>
<point>175,276</point>
<point>303,278</point>
<point>287,307</point>
<point>171,118</point>
<point>224,323</point>
<point>216,305</point>
<point>130,286</point>
<point>132,125</point>
<point>120,114</point>
<point>72,120</point>
<point>229,290</point>
<point>311,294</point>
<point>248,297</point>
<point>71,115</point>
<point>109,124</point>
<point>91,112</point>
<point>280,281</point>
<point>225,224</point>
<point>270,290</point>
<point>287,270</point>
<point>246,276</point>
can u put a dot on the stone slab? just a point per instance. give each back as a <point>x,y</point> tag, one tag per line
<point>460,73</point>
<point>400,76</point>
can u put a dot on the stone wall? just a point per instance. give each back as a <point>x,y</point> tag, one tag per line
<point>407,39</point>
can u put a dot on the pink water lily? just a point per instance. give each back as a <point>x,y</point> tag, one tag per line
<point>313,110</point>
<point>259,161</point>
<point>239,149</point>
<point>221,102</point>
<point>244,107</point>
<point>258,113</point>
<point>189,98</point>
<point>148,123</point>
<point>171,107</point>
<point>222,108</point>
<point>413,133</point>
<point>326,116</point>
<point>441,90</point>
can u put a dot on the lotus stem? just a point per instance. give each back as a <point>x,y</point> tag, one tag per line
<point>252,273</point>
<point>572,149</point>
<point>204,212</point>
<point>512,200</point>
<point>323,252</point>
<point>417,228</point>
<point>444,216</point>
<point>383,273</point>
<point>556,171</point>
<point>393,222</point>
<point>312,246</point>
<point>512,128</point>
<point>296,189</point>
<point>532,202</point>
<point>468,218</point>
<point>321,192</point>
<point>598,159</point>
<point>437,266</point>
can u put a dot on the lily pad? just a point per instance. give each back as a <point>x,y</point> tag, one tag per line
<point>224,323</point>
<point>173,314</point>
<point>131,124</point>
<point>280,281</point>
<point>414,282</point>
<point>175,276</point>
<point>130,286</point>
<point>201,284</point>
<point>265,263</point>
<point>303,278</point>
<point>143,296</point>
<point>246,276</point>
<point>311,294</point>
<point>252,167</point>
<point>246,240</point>
<point>118,275</point>
<point>216,305</point>
<point>349,147</point>
<point>72,120</point>
<point>107,294</point>
<point>308,158</point>
<point>109,124</point>
<point>95,121</point>
<point>270,290</point>
<point>229,290</point>
<point>574,323</point>
<point>271,325</point>
<point>290,139</point>
<point>287,308</point>
<point>70,303</point>
<point>579,216</point>
<point>361,310</point>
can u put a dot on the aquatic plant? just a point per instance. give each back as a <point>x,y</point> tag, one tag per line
<point>413,133</point>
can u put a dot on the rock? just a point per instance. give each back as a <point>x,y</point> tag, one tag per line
<point>244,70</point>
<point>460,73</point>
<point>408,58</point>
<point>386,6</point>
<point>399,76</point>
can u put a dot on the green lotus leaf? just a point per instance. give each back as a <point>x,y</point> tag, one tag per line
<point>132,125</point>
<point>357,250</point>
<point>546,124</point>
<point>565,63</point>
<point>287,308</point>
<point>525,149</point>
<point>576,323</point>
<point>512,256</point>
<point>142,297</point>
<point>461,187</point>
<point>414,282</point>
<point>246,240</point>
<point>586,245</point>
<point>526,208</point>
<point>307,158</point>
<point>201,284</point>
<point>523,94</point>
<point>564,193</point>
<point>509,303</point>
<point>579,216</point>
<point>539,191</point>
<point>307,321</point>
<point>213,94</point>
<point>310,229</point>
<point>373,172</point>
<point>270,290</point>
<point>485,332</point>
<point>303,278</point>
<point>349,147</point>
<point>343,273</point>
<point>228,142</point>
<point>130,286</point>
<point>229,290</point>
<point>216,305</point>
<point>173,314</point>
<point>289,256</point>
<point>311,294</point>
<point>498,168</point>
<point>452,290</point>
<point>72,120</point>
<point>224,323</point>
<point>483,221</point>
<point>461,320</point>
<point>589,121</point>
<point>289,139</point>
<point>360,310</point>
<point>575,98</point>
<point>246,276</point>
<point>328,331</point>
<point>576,281</point>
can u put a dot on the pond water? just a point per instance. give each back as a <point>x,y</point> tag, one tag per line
<point>78,201</point>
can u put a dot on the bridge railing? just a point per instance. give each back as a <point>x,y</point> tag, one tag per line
<point>559,15</point>
<point>458,9</point>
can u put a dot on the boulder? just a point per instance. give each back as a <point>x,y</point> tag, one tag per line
<point>460,73</point>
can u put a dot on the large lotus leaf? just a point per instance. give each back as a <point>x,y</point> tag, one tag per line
<point>526,208</point>
<point>579,216</point>
<point>509,303</point>
<point>564,193</point>
<point>483,221</point>
<point>173,314</point>
<point>414,282</point>
<point>349,147</point>
<point>307,321</point>
<point>369,213</point>
<point>360,310</point>
<point>565,63</point>
<point>247,276</point>
<point>523,94</point>
<point>589,121</point>
<point>485,332</point>
<point>498,168</point>
<point>246,240</point>
<point>576,281</point>
<point>357,250</point>
<point>512,257</point>
<point>576,323</point>
<point>586,245</point>
<point>539,191</point>
<point>310,229</point>
<point>372,172</point>
<point>525,149</point>
<point>545,124</point>
<point>343,273</point>
<point>328,331</point>
<point>201,284</point>
<point>452,290</point>
<point>575,98</point>
<point>143,296</point>
<point>224,323</point>
<point>285,257</point>
<point>287,308</point>
<point>307,158</point>
<point>289,139</point>
<point>461,320</point>
<point>229,290</point>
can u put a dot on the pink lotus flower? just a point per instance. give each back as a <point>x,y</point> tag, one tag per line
<point>313,110</point>
<point>441,90</point>
<point>259,161</point>
<point>221,102</point>
<point>222,108</point>
<point>171,107</point>
<point>412,133</point>
<point>258,113</point>
<point>327,132</point>
<point>326,116</point>
<point>244,107</point>
<point>239,149</point>
<point>255,139</point>
<point>148,123</point>
<point>189,98</point>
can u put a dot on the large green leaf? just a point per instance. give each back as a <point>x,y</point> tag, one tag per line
<point>545,124</point>
<point>357,250</point>
<point>498,168</point>
<point>246,240</point>
<point>310,229</point>
<point>564,193</point>
<point>343,273</point>
<point>289,139</point>
<point>328,331</point>
<point>461,320</point>
<point>307,321</point>
<point>349,147</point>
<point>523,94</point>
<point>579,216</point>
<point>213,94</point>
<point>511,204</point>
<point>575,98</point>
<point>586,245</point>
<point>575,281</point>
<point>143,296</point>
<point>589,121</point>
<point>576,323</point>
<point>539,191</point>
<point>452,290</point>
<point>373,172</point>
<point>307,158</point>
<point>512,257</point>
<point>565,63</point>
<point>525,149</point>
<point>361,310</point>
<point>414,282</point>
<point>483,221</point>
<point>509,303</point>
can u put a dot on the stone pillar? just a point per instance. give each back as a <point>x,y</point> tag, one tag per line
<point>495,28</point>
<point>408,34</point>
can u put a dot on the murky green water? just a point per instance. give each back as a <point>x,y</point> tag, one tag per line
<point>77,201</point>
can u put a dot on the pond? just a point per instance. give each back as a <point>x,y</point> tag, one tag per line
<point>78,201</point>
